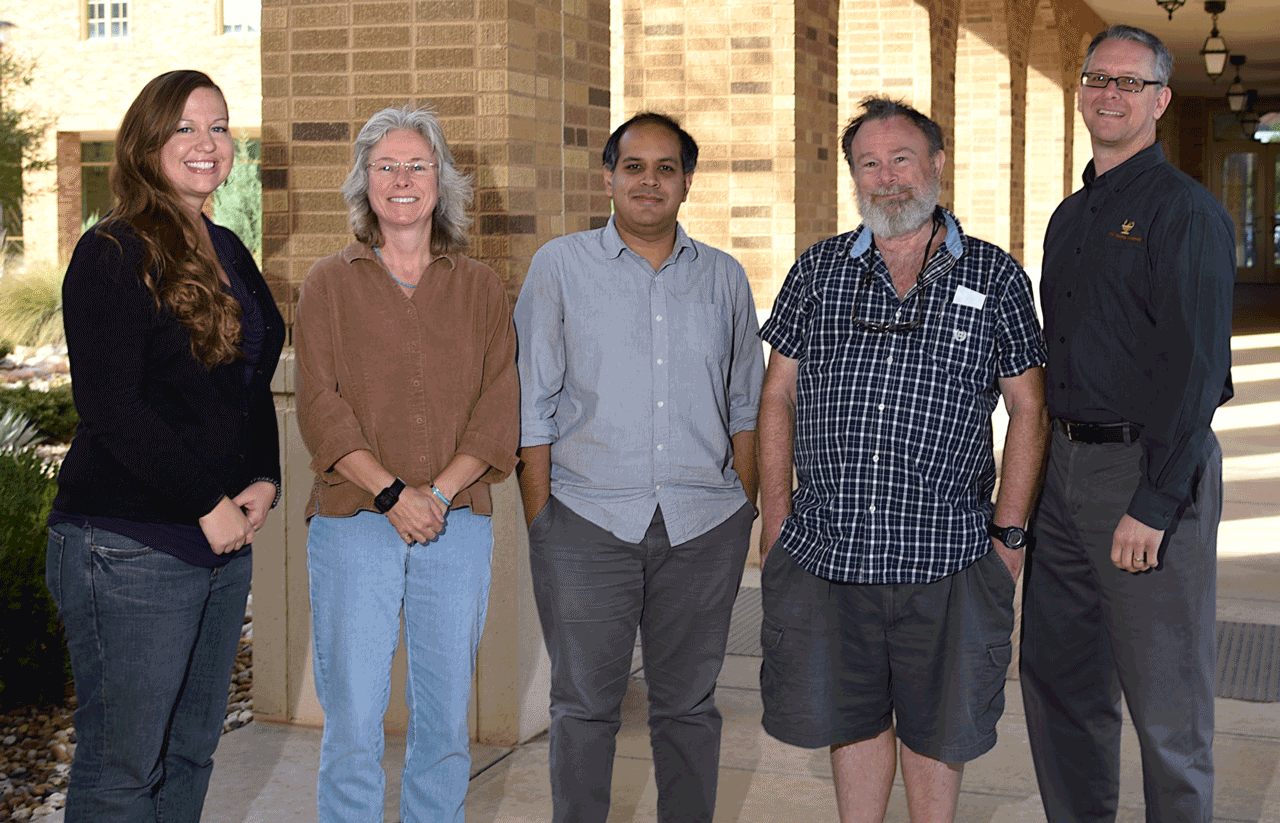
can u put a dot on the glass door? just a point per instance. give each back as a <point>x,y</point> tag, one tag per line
<point>1246,177</point>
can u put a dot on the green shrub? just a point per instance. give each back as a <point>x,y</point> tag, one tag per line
<point>52,412</point>
<point>31,306</point>
<point>238,203</point>
<point>33,655</point>
<point>6,348</point>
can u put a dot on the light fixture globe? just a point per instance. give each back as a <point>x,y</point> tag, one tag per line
<point>1215,49</point>
<point>1235,92</point>
<point>1249,123</point>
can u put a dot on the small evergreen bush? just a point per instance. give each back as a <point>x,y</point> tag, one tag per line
<point>53,412</point>
<point>33,655</point>
<point>237,204</point>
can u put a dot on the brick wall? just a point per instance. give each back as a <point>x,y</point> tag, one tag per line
<point>1046,146</point>
<point>755,84</point>
<point>521,89</point>
<point>983,132</point>
<point>886,49</point>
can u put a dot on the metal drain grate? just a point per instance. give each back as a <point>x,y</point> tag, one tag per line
<point>1248,662</point>
<point>744,626</point>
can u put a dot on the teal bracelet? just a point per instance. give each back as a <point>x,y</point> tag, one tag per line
<point>446,501</point>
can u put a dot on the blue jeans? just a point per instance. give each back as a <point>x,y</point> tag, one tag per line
<point>152,642</point>
<point>362,576</point>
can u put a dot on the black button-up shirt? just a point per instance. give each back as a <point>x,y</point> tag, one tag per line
<point>1139,268</point>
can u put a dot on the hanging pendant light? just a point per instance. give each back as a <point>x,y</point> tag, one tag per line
<point>1170,5</point>
<point>1235,92</point>
<point>1249,118</point>
<point>1215,49</point>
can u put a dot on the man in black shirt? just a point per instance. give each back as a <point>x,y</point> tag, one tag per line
<point>1139,267</point>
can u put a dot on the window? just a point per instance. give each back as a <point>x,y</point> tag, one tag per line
<point>108,20</point>
<point>241,16</point>
<point>95,191</point>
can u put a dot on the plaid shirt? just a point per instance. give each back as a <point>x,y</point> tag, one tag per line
<point>893,446</point>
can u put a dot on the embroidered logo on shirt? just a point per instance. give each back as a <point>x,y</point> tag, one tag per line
<point>1125,228</point>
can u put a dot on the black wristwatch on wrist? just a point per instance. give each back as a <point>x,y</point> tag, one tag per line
<point>1011,536</point>
<point>388,496</point>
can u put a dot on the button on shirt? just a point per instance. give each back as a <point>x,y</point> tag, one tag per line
<point>638,379</point>
<point>1139,268</point>
<point>893,445</point>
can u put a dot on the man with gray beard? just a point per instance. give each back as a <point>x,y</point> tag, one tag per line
<point>889,606</point>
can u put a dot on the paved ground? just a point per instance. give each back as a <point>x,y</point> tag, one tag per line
<point>266,774</point>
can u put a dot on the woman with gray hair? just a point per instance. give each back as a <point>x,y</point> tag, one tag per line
<point>408,403</point>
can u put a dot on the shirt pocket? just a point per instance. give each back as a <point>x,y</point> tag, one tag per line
<point>704,336</point>
<point>960,344</point>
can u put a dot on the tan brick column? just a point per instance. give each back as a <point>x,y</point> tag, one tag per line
<point>755,85</point>
<point>983,130</point>
<point>69,199</point>
<point>1019,15</point>
<point>887,48</point>
<point>943,38</point>
<point>1046,145</point>
<point>1077,24</point>
<point>522,91</point>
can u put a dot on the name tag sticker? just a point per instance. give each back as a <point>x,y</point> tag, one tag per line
<point>969,297</point>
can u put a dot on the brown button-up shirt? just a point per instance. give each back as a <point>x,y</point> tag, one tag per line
<point>415,380</point>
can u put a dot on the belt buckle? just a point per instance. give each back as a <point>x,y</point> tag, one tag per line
<point>1066,425</point>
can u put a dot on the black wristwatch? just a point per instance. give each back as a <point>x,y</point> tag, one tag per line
<point>388,496</point>
<point>1012,536</point>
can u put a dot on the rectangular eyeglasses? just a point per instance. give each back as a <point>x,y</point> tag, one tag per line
<point>416,168</point>
<point>1098,80</point>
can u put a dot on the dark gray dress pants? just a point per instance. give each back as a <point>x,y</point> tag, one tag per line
<point>593,590</point>
<point>1092,633</point>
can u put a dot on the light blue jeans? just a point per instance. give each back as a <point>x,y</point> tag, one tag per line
<point>362,576</point>
<point>152,641</point>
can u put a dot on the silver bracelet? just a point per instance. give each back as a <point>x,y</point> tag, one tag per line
<point>273,482</point>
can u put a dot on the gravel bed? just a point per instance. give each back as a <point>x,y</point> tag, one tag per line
<point>37,743</point>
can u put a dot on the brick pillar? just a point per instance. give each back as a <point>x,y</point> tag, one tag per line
<point>1077,24</point>
<point>523,96</point>
<point>942,97</point>
<point>522,91</point>
<point>70,206</point>
<point>1046,144</point>
<point>886,49</point>
<point>1019,15</point>
<point>983,121</point>
<point>756,86</point>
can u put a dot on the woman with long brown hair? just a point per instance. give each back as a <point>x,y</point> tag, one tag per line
<point>173,338</point>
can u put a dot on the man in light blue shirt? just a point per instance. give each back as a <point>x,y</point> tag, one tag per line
<point>640,371</point>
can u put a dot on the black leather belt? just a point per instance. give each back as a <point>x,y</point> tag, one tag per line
<point>1095,433</point>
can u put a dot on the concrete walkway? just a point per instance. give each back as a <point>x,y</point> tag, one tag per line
<point>266,774</point>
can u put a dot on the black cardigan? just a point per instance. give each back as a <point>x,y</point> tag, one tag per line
<point>161,438</point>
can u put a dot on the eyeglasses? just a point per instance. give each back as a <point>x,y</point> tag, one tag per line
<point>387,170</point>
<point>911,325</point>
<point>1098,80</point>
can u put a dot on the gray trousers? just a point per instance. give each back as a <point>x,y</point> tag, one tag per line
<point>593,590</point>
<point>1092,633</point>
